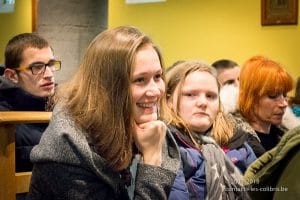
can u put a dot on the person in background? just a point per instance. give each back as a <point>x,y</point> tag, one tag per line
<point>229,97</point>
<point>27,83</point>
<point>229,76</point>
<point>196,120</point>
<point>295,101</point>
<point>262,101</point>
<point>105,135</point>
<point>228,72</point>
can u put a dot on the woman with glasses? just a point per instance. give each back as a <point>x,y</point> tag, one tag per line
<point>264,85</point>
<point>27,84</point>
<point>105,139</point>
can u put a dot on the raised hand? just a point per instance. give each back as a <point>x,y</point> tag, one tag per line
<point>149,138</point>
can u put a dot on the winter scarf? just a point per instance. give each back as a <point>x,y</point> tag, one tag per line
<point>223,179</point>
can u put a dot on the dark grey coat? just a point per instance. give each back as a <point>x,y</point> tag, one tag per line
<point>67,168</point>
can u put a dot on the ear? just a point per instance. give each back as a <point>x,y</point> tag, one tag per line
<point>11,75</point>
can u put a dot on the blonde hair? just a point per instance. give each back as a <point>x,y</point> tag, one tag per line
<point>98,97</point>
<point>261,76</point>
<point>222,130</point>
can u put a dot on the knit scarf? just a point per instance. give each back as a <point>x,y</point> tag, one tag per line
<point>223,180</point>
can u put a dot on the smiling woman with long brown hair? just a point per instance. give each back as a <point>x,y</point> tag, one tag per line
<point>105,116</point>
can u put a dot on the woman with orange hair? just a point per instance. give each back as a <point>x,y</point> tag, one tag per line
<point>264,85</point>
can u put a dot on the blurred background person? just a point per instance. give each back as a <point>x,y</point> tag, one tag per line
<point>295,100</point>
<point>229,76</point>
<point>228,72</point>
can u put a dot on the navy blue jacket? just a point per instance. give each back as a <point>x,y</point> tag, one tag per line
<point>190,182</point>
<point>13,98</point>
<point>239,151</point>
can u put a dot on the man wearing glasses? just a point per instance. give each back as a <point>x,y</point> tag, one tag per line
<point>26,85</point>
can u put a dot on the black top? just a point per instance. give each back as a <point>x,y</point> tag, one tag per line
<point>270,140</point>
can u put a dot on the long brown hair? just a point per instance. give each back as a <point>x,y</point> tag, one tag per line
<point>99,98</point>
<point>222,130</point>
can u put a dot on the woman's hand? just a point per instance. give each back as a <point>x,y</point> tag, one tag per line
<point>149,138</point>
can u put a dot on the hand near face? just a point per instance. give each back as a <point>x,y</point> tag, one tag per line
<point>147,88</point>
<point>149,138</point>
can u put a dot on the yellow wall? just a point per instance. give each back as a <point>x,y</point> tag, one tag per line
<point>14,23</point>
<point>210,30</point>
<point>191,29</point>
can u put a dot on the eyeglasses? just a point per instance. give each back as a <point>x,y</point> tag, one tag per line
<point>40,68</point>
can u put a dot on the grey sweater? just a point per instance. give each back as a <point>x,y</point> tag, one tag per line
<point>65,167</point>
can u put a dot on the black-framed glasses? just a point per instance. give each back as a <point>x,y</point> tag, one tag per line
<point>40,68</point>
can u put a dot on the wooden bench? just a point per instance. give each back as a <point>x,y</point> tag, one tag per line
<point>12,183</point>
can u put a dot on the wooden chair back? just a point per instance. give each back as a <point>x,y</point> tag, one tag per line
<point>12,183</point>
